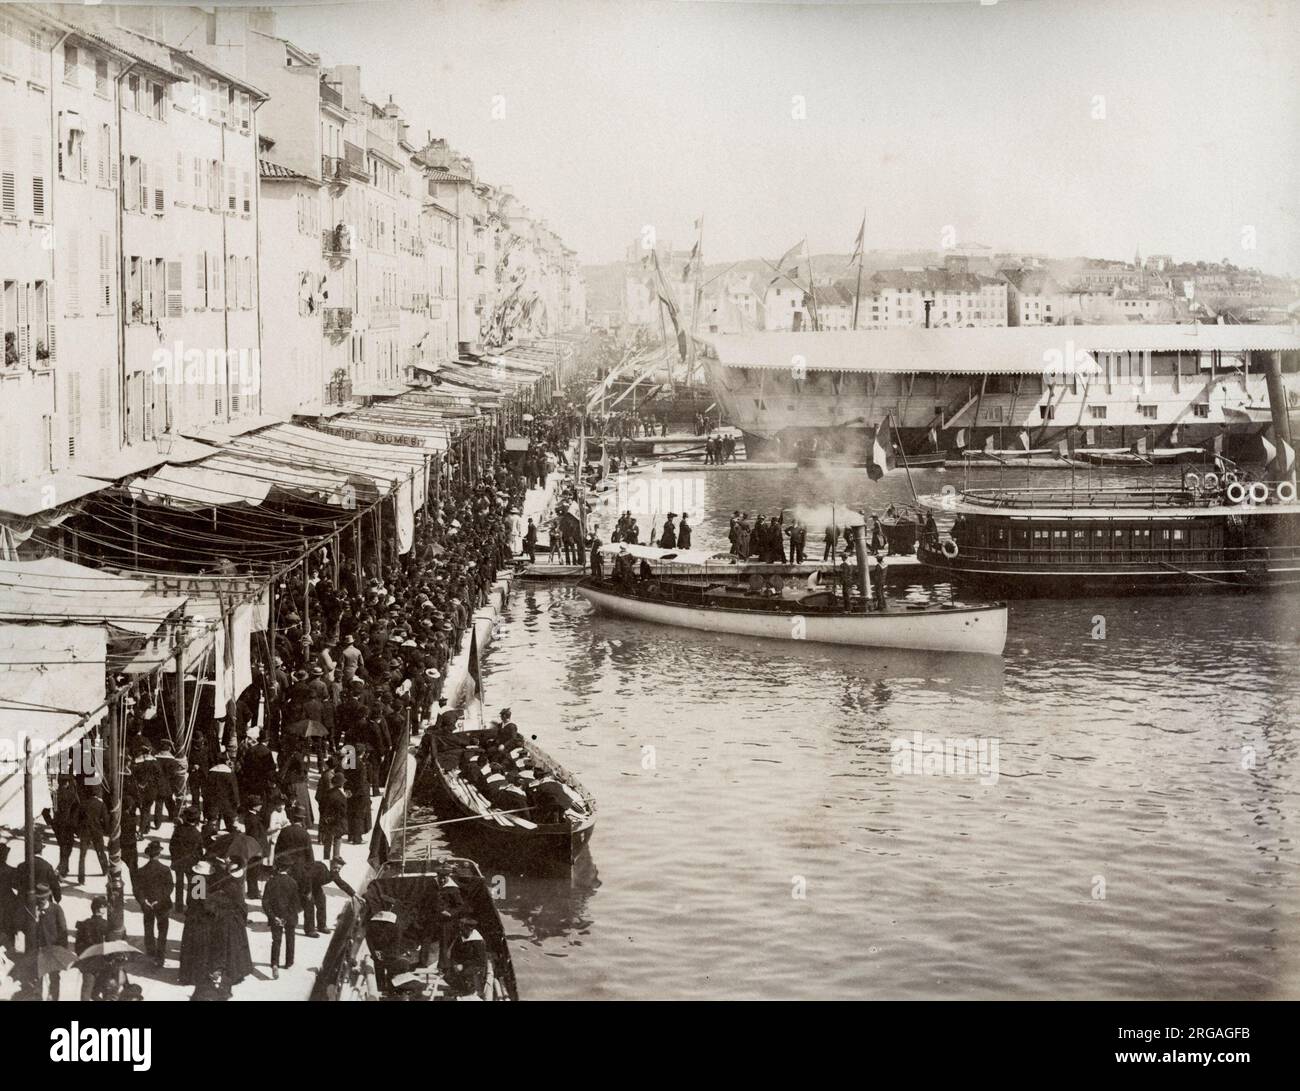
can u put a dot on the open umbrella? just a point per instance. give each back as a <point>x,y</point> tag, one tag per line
<point>47,960</point>
<point>102,956</point>
<point>237,845</point>
<point>307,729</point>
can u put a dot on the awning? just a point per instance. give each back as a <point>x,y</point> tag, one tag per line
<point>224,430</point>
<point>51,692</point>
<point>44,493</point>
<point>190,487</point>
<point>52,589</point>
<point>142,457</point>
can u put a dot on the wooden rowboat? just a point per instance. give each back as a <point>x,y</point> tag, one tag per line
<point>516,839</point>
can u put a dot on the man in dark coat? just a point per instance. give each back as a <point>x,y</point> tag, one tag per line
<point>684,533</point>
<point>186,849</point>
<point>282,902</point>
<point>65,820</point>
<point>319,876</point>
<point>153,890</point>
<point>333,807</point>
<point>221,795</point>
<point>293,845</point>
<point>150,790</point>
<point>257,773</point>
<point>172,781</point>
<point>668,539</point>
<point>90,833</point>
<point>593,546</point>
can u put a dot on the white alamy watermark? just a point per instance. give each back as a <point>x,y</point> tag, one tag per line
<point>931,756</point>
<point>103,1045</point>
<point>239,370</point>
<point>84,759</point>
<point>652,494</point>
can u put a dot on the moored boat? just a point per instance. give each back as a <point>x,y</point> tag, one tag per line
<point>414,934</point>
<point>538,838</point>
<point>1029,542</point>
<point>847,607</point>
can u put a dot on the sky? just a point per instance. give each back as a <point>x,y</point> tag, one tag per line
<point>1067,127</point>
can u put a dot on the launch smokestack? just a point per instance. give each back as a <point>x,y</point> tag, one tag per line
<point>864,577</point>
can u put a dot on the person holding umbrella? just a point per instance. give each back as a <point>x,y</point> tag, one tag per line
<point>92,932</point>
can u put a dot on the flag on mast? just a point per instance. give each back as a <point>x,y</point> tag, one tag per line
<point>473,718</point>
<point>1024,439</point>
<point>1289,451</point>
<point>857,243</point>
<point>780,264</point>
<point>882,452</point>
<point>961,439</point>
<point>1270,450</point>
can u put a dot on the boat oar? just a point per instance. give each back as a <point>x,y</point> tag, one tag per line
<point>472,818</point>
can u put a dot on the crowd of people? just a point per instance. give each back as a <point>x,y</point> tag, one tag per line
<point>358,659</point>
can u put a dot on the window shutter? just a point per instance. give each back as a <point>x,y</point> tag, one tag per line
<point>146,288</point>
<point>8,168</point>
<point>105,297</point>
<point>232,194</point>
<point>201,279</point>
<point>38,178</point>
<point>72,243</point>
<point>24,341</point>
<point>105,403</point>
<point>198,182</point>
<point>74,413</point>
<point>159,199</point>
<point>112,156</point>
<point>101,155</point>
<point>248,196</point>
<point>51,344</point>
<point>175,298</point>
<point>159,288</point>
<point>143,195</point>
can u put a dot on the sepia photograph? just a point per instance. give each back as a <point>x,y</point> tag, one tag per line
<point>651,500</point>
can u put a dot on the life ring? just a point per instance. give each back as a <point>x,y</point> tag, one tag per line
<point>1236,493</point>
<point>1259,493</point>
<point>1192,482</point>
<point>949,548</point>
<point>1210,482</point>
<point>1287,496</point>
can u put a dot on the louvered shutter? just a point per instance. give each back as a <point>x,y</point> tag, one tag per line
<point>175,298</point>
<point>72,243</point>
<point>8,170</point>
<point>104,300</point>
<point>159,199</point>
<point>74,413</point>
<point>24,341</point>
<point>143,196</point>
<point>101,155</point>
<point>232,194</point>
<point>38,178</point>
<point>201,280</point>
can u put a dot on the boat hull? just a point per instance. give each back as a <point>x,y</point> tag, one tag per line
<point>980,630</point>
<point>1044,581</point>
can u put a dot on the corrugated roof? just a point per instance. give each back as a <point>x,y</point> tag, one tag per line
<point>1005,349</point>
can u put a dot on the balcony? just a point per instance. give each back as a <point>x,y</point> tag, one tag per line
<point>354,162</point>
<point>338,320</point>
<point>333,170</point>
<point>331,95</point>
<point>336,242</point>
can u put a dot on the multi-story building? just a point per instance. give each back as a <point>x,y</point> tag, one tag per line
<point>129,243</point>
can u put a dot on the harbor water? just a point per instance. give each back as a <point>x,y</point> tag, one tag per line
<point>1131,834</point>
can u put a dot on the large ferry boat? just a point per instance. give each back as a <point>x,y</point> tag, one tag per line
<point>1102,387</point>
<point>1206,534</point>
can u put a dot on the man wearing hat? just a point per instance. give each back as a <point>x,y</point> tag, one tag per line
<point>668,539</point>
<point>294,846</point>
<point>319,875</point>
<point>93,930</point>
<point>51,929</point>
<point>90,833</point>
<point>221,794</point>
<point>468,957</point>
<point>684,533</point>
<point>282,902</point>
<point>186,849</point>
<point>153,890</point>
